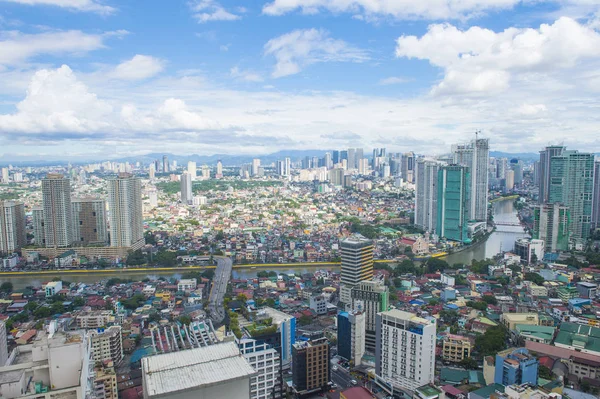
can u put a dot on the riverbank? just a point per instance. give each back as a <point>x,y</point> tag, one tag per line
<point>510,197</point>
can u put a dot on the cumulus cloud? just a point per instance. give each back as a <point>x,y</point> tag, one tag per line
<point>300,48</point>
<point>531,109</point>
<point>399,9</point>
<point>211,10</point>
<point>138,68</point>
<point>75,5</point>
<point>247,76</point>
<point>394,80</point>
<point>481,60</point>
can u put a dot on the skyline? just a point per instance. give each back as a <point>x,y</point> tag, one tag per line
<point>107,80</point>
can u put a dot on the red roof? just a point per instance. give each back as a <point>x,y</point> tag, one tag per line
<point>358,393</point>
<point>546,361</point>
<point>452,390</point>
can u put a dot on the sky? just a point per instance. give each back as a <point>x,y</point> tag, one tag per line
<point>102,79</point>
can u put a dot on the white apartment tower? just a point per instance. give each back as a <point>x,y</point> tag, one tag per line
<point>405,353</point>
<point>476,156</point>
<point>89,221</point>
<point>12,226</point>
<point>57,216</point>
<point>186,188</point>
<point>426,194</point>
<point>125,206</point>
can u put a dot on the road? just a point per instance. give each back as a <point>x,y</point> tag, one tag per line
<point>219,287</point>
<point>343,379</point>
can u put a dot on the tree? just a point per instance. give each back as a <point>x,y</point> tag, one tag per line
<point>149,238</point>
<point>241,298</point>
<point>6,287</point>
<point>305,320</point>
<point>262,274</point>
<point>166,258</point>
<point>57,307</point>
<point>493,341</point>
<point>155,317</point>
<point>490,300</point>
<point>79,301</point>
<point>135,258</point>
<point>208,273</point>
<point>435,264</point>
<point>535,278</point>
<point>42,312</point>
<point>545,373</point>
<point>406,266</point>
<point>469,363</point>
<point>477,305</point>
<point>31,306</point>
<point>186,320</point>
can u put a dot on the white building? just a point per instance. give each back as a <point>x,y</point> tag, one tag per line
<point>426,192</point>
<point>318,303</point>
<point>192,170</point>
<point>186,189</point>
<point>187,285</point>
<point>94,319</point>
<point>125,205</point>
<point>267,364</point>
<point>57,214</point>
<point>405,353</point>
<point>216,371</point>
<point>286,326</point>
<point>448,280</point>
<point>3,344</point>
<point>476,156</point>
<point>52,288</point>
<point>12,226</point>
<point>107,345</point>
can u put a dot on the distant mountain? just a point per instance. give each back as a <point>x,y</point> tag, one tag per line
<point>526,156</point>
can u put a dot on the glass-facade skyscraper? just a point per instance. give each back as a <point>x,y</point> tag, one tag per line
<point>453,202</point>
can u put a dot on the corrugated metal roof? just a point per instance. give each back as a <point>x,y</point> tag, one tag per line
<point>179,371</point>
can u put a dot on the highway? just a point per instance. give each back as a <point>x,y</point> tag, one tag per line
<point>343,379</point>
<point>219,287</point>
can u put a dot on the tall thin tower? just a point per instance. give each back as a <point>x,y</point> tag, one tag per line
<point>125,206</point>
<point>56,202</point>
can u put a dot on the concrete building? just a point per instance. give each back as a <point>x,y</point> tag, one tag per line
<point>529,249</point>
<point>187,196</point>
<point>105,381</point>
<point>510,320</point>
<point>318,303</point>
<point>408,167</point>
<point>12,227</point>
<point>509,180</point>
<point>165,164</point>
<point>475,156</point>
<point>216,371</point>
<point>551,225</point>
<point>192,169</point>
<point>52,288</point>
<point>351,336</point>
<point>286,331</point>
<point>187,285</point>
<point>94,319</point>
<point>546,156</point>
<point>587,289</point>
<point>39,234</point>
<point>57,214</point>
<point>107,345</point>
<point>310,366</point>
<point>3,344</point>
<point>265,360</point>
<point>426,194</point>
<point>357,264</point>
<point>515,366</point>
<point>405,354</point>
<point>125,205</point>
<point>596,197</point>
<point>89,221</point>
<point>456,348</point>
<point>453,203</point>
<point>581,338</point>
<point>371,297</point>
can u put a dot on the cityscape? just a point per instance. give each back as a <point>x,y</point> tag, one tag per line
<point>299,199</point>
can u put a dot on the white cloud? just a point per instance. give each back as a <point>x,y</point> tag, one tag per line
<point>211,10</point>
<point>247,76</point>
<point>138,68</point>
<point>17,47</point>
<point>480,60</point>
<point>394,80</point>
<point>297,49</point>
<point>75,5</point>
<point>531,109</point>
<point>400,9</point>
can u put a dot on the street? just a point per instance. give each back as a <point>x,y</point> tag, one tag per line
<point>219,287</point>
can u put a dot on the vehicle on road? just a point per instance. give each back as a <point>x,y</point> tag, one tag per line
<point>353,382</point>
<point>335,368</point>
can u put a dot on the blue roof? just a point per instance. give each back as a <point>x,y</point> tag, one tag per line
<point>451,306</point>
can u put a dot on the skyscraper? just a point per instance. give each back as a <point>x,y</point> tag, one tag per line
<point>152,171</point>
<point>408,167</point>
<point>125,205</point>
<point>39,234</point>
<point>357,264</point>
<point>255,166</point>
<point>351,158</point>
<point>572,184</point>
<point>310,365</point>
<point>56,202</point>
<point>186,189</point>
<point>596,196</point>
<point>219,173</point>
<point>372,296</point>
<point>89,221</point>
<point>351,335</point>
<point>405,354</point>
<point>426,194</point>
<point>165,164</point>
<point>328,161</point>
<point>12,227</point>
<point>551,224</point>
<point>335,156</point>
<point>3,345</point>
<point>358,155</point>
<point>544,171</point>
<point>475,155</point>
<point>287,166</point>
<point>453,202</point>
<point>191,169</point>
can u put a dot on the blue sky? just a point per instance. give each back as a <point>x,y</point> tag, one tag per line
<point>102,79</point>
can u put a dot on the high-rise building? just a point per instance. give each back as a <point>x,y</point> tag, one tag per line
<point>89,221</point>
<point>405,354</point>
<point>357,264</point>
<point>358,155</point>
<point>3,345</point>
<point>191,169</point>
<point>39,234</point>
<point>551,224</point>
<point>310,366</point>
<point>336,177</point>
<point>517,166</point>
<point>408,167</point>
<point>572,184</point>
<point>475,155</point>
<point>57,220</point>
<point>509,180</point>
<point>165,164</point>
<point>255,166</point>
<point>336,157</point>
<point>453,202</point>
<point>351,336</point>
<point>5,175</point>
<point>206,172</point>
<point>426,194</point>
<point>125,205</point>
<point>596,196</point>
<point>152,171</point>
<point>265,360</point>
<point>372,296</point>
<point>186,189</point>
<point>328,161</point>
<point>546,156</point>
<point>516,366</point>
<point>107,345</point>
<point>351,158</point>
<point>12,227</point>
<point>286,330</point>
<point>219,173</point>
<point>363,166</point>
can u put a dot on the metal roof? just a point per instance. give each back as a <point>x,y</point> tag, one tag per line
<point>193,369</point>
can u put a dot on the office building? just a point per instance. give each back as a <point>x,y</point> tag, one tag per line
<point>551,225</point>
<point>5,175</point>
<point>517,167</point>
<point>3,345</point>
<point>426,194</point>
<point>286,333</point>
<point>596,197</point>
<point>372,297</point>
<point>515,366</point>
<point>351,336</point>
<point>571,184</point>
<point>215,371</point>
<point>12,227</point>
<point>192,169</point>
<point>405,353</point>
<point>94,319</point>
<point>57,219</point>
<point>408,167</point>
<point>89,221</point>
<point>219,173</point>
<point>529,249</point>
<point>107,344</point>
<point>587,290</point>
<point>475,156</point>
<point>357,264</point>
<point>151,171</point>
<point>456,348</point>
<point>125,205</point>
<point>165,164</point>
<point>265,360</point>
<point>336,177</point>
<point>453,202</point>
<point>509,181</point>
<point>546,156</point>
<point>39,234</point>
<point>255,166</point>
<point>351,158</point>
<point>310,366</point>
<point>186,189</point>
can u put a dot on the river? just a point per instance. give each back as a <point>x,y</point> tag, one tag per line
<point>502,239</point>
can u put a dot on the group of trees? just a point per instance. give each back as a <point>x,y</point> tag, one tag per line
<point>163,258</point>
<point>493,341</point>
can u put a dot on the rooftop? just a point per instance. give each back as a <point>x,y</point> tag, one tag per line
<point>193,369</point>
<point>402,315</point>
